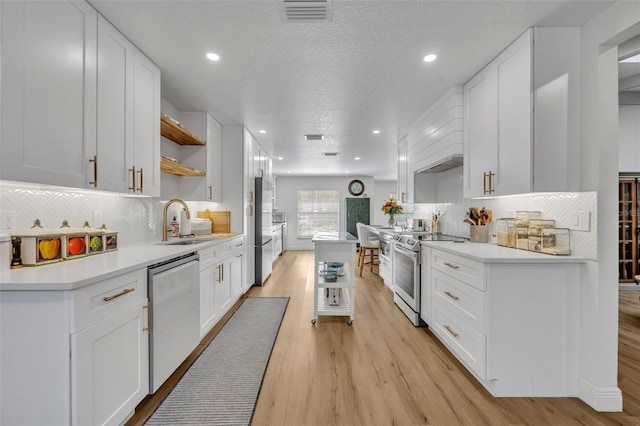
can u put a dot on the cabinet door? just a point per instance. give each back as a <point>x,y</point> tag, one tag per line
<point>208,277</point>
<point>515,148</point>
<point>222,295</point>
<point>49,92</point>
<point>405,179</point>
<point>235,276</point>
<point>425,285</point>
<point>146,126</point>
<point>480,131</point>
<point>213,190</point>
<point>115,108</point>
<point>110,368</point>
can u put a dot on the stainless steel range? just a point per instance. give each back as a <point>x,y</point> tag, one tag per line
<point>407,270</point>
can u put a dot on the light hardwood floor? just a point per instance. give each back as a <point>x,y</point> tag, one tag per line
<point>384,371</point>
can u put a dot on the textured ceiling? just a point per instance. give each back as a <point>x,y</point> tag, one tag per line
<point>361,71</point>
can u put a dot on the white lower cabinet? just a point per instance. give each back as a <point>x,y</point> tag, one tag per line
<point>110,369</point>
<point>77,357</point>
<point>220,281</point>
<point>514,325</point>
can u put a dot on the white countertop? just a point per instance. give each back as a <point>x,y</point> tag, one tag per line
<point>76,273</point>
<point>334,237</point>
<point>491,253</point>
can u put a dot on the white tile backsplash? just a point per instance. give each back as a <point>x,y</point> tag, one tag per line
<point>557,206</point>
<point>138,220</point>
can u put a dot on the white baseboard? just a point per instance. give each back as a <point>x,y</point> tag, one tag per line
<point>600,398</point>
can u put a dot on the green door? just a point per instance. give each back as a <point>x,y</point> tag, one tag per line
<point>357,211</point>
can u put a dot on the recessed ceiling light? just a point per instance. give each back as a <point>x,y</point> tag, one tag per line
<point>213,56</point>
<point>289,171</point>
<point>280,158</point>
<point>347,171</point>
<point>430,57</point>
<point>357,158</point>
<point>262,131</point>
<point>375,132</point>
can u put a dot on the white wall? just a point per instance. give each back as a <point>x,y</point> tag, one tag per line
<point>629,138</point>
<point>599,291</point>
<point>287,190</point>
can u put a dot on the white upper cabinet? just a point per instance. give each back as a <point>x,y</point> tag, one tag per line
<point>405,176</point>
<point>213,189</point>
<point>48,92</point>
<point>80,104</point>
<point>146,127</point>
<point>521,128</point>
<point>115,109</point>
<point>128,137</point>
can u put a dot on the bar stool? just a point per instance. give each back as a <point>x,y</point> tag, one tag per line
<point>369,243</point>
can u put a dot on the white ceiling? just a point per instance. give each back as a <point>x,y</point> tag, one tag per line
<point>361,71</point>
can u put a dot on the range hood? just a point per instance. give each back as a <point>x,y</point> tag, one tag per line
<point>444,164</point>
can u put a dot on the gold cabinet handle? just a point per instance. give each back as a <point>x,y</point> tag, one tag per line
<point>239,255</point>
<point>454,297</point>
<point>239,245</point>
<point>122,293</point>
<point>141,177</point>
<point>219,273</point>
<point>94,160</point>
<point>451,266</point>
<point>491,175</point>
<point>222,266</point>
<point>453,333</point>
<point>148,308</point>
<point>210,192</point>
<point>484,183</point>
<point>133,179</point>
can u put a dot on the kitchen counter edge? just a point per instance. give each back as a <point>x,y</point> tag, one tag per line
<point>78,273</point>
<point>491,253</point>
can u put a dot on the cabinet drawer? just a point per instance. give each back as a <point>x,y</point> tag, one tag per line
<point>101,300</point>
<point>228,247</point>
<point>466,270</point>
<point>466,343</point>
<point>207,257</point>
<point>466,301</point>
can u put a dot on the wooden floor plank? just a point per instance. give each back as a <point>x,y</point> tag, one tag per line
<point>382,370</point>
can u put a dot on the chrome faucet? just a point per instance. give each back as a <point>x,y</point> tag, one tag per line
<point>165,230</point>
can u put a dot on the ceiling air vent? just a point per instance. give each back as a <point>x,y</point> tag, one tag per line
<point>306,10</point>
<point>313,137</point>
<point>330,154</point>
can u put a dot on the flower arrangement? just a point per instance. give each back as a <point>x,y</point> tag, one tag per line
<point>391,207</point>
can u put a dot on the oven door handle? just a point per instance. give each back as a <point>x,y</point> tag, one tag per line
<point>406,252</point>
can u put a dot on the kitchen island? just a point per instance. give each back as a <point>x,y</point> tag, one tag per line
<point>334,278</point>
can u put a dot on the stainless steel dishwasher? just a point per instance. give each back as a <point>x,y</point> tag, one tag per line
<point>174,294</point>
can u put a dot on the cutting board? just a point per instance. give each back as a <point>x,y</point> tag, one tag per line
<point>220,220</point>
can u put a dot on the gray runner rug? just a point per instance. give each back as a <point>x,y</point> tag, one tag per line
<point>222,385</point>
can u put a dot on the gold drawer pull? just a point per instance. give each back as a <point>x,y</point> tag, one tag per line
<point>451,295</point>
<point>239,245</point>
<point>94,160</point>
<point>453,333</point>
<point>141,189</point>
<point>133,179</point>
<point>451,266</point>
<point>122,293</point>
<point>148,308</point>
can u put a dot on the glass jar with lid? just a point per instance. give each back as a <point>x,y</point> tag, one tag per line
<point>555,241</point>
<point>506,232</point>
<point>524,216</point>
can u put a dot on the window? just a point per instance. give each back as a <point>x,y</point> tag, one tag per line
<point>318,211</point>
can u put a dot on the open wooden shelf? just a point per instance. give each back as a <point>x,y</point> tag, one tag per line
<point>179,135</point>
<point>178,169</point>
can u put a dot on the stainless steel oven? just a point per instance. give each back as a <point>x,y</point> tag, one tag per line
<point>406,276</point>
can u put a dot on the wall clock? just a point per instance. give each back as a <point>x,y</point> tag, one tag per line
<point>356,187</point>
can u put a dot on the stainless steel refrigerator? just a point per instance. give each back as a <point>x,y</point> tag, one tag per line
<point>263,230</point>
